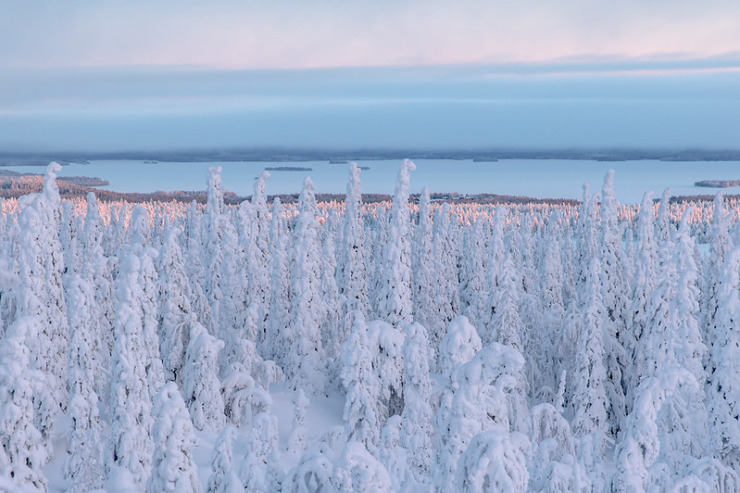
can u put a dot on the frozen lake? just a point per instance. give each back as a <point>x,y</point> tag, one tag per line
<point>534,178</point>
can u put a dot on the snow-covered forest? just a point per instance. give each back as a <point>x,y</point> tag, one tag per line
<point>355,347</point>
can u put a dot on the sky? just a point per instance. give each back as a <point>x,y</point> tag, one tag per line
<point>135,75</point>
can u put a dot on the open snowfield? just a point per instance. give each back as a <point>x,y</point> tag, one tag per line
<point>385,347</point>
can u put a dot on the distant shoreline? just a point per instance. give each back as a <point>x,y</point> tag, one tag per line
<point>268,155</point>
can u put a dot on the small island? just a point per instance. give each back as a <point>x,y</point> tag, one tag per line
<point>717,183</point>
<point>287,168</point>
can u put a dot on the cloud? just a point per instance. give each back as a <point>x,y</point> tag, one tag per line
<point>333,33</point>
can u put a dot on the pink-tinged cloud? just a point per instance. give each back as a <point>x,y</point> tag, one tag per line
<point>333,33</point>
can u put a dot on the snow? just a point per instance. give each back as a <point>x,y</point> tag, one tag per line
<point>599,358</point>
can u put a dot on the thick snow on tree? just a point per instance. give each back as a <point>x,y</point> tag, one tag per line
<point>173,466</point>
<point>263,437</point>
<point>201,386</point>
<point>358,471</point>
<point>175,312</point>
<point>445,300</point>
<point>422,268</point>
<point>214,224</point>
<point>223,478</point>
<point>724,394</point>
<point>394,293</point>
<point>476,402</point>
<point>332,337</point>
<point>129,408</point>
<point>459,345</point>
<point>590,399</point>
<point>352,267</point>
<point>304,364</point>
<point>297,440</point>
<point>362,387</point>
<point>687,343</point>
<point>496,252</point>
<point>96,271</point>
<point>555,466</point>
<point>720,245</point>
<point>274,342</point>
<point>42,293</point>
<point>386,342</point>
<point>494,461</point>
<point>22,451</point>
<point>644,280</point>
<point>416,419</point>
<point>472,272</point>
<point>84,465</point>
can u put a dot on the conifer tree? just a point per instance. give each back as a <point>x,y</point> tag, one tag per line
<point>305,364</point>
<point>724,394</point>
<point>223,479</point>
<point>352,266</point>
<point>22,451</point>
<point>394,298</point>
<point>416,419</point>
<point>173,465</point>
<point>201,386</point>
<point>84,465</point>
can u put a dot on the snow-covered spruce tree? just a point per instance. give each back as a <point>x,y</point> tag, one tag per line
<point>494,461</point>
<point>459,345</point>
<point>22,450</point>
<point>507,328</point>
<point>496,252</point>
<point>545,343</point>
<point>586,236</point>
<point>476,402</point>
<point>590,400</point>
<point>663,230</point>
<point>332,337</point>
<point>720,245</point>
<point>615,297</point>
<point>643,282</point>
<point>651,454</point>
<point>416,418</point>
<point>472,272</point>
<point>130,447</point>
<point>214,222</point>
<point>357,471</point>
<point>201,386</point>
<point>69,238</point>
<point>258,251</point>
<point>554,466</point>
<point>274,342</point>
<point>42,294</point>
<point>361,386</point>
<point>149,303</point>
<point>446,301</point>
<point>653,349</point>
<point>689,349</point>
<point>223,478</point>
<point>724,394</point>
<point>305,363</point>
<point>394,292</point>
<point>297,441</point>
<point>262,445</point>
<point>83,467</point>
<point>352,267</point>
<point>232,285</point>
<point>394,457</point>
<point>173,465</point>
<point>175,311</point>
<point>194,267</point>
<point>95,270</point>
<point>422,265</point>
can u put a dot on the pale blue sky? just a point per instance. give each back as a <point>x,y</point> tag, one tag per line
<point>115,75</point>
